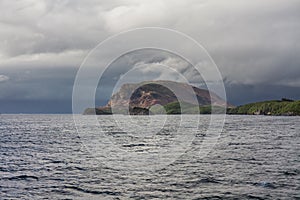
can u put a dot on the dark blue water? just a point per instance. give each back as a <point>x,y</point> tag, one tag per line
<point>43,157</point>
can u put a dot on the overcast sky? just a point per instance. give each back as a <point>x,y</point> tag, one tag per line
<point>254,43</point>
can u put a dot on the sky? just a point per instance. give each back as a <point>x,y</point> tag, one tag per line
<point>255,45</point>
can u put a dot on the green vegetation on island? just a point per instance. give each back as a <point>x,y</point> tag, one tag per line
<point>174,108</point>
<point>284,107</point>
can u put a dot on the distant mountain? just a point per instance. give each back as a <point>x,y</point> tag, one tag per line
<point>284,107</point>
<point>141,97</point>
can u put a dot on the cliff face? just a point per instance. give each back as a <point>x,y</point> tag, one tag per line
<point>144,95</point>
<point>147,94</point>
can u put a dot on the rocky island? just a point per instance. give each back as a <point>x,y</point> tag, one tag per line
<point>158,97</point>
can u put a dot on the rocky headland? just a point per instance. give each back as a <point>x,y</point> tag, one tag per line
<point>172,98</point>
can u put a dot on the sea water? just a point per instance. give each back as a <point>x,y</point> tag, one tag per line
<point>55,157</point>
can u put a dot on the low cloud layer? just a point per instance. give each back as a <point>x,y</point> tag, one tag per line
<point>43,43</point>
<point>3,78</point>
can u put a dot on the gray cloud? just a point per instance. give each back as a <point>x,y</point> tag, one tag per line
<point>254,43</point>
<point>3,78</point>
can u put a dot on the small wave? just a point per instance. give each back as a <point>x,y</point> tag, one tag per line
<point>292,172</point>
<point>196,182</point>
<point>92,191</point>
<point>212,197</point>
<point>133,145</point>
<point>265,185</point>
<point>22,177</point>
<point>115,133</point>
<point>236,143</point>
<point>57,161</point>
<point>250,196</point>
<point>208,180</point>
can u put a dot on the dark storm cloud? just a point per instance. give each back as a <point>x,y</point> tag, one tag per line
<point>37,90</point>
<point>44,83</point>
<point>147,64</point>
<point>254,44</point>
<point>239,94</point>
